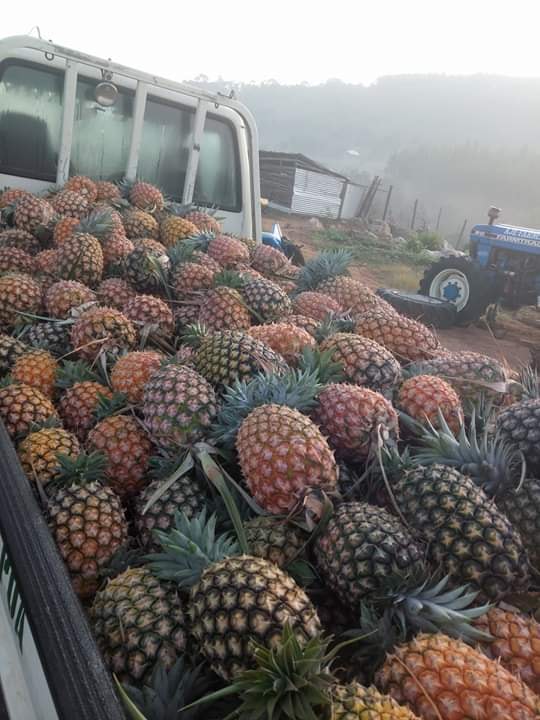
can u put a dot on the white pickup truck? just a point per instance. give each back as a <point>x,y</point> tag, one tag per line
<point>65,113</point>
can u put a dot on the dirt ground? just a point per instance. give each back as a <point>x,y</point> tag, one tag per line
<point>513,335</point>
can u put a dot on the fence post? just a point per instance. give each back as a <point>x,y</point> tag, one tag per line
<point>461,233</point>
<point>438,224</point>
<point>387,203</point>
<point>415,208</point>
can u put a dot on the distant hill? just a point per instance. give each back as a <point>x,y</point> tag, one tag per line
<point>459,142</point>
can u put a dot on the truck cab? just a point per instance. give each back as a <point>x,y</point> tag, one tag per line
<point>64,113</point>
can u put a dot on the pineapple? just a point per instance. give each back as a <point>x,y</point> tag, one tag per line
<point>469,538</point>
<point>14,260</point>
<point>131,372</point>
<point>175,226</point>
<point>31,213</point>
<point>515,642</point>
<point>10,349</point>
<point>178,406</point>
<point>356,702</point>
<point>224,309</point>
<point>146,197</point>
<point>470,374</point>
<point>227,251</point>
<point>282,454</point>
<point>51,336</point>
<point>269,261</point>
<point>146,269</point>
<point>36,368</point>
<point>80,257</point>
<point>150,244</point>
<point>441,678</point>
<point>266,300</point>
<point>519,425</point>
<point>364,362</point>
<point>86,520</point>
<point>362,550</point>
<point>102,330</point>
<point>107,191</point>
<point>274,539</point>
<point>286,339</point>
<point>64,228</point>
<point>83,186</point>
<point>127,449</point>
<point>70,204</point>
<point>191,277</point>
<point>140,224</point>
<point>306,323</point>
<point>115,292</point>
<point>407,339</point>
<point>234,600</point>
<point>204,221</point>
<point>46,263</point>
<point>316,305</point>
<point>423,397</point>
<point>19,293</point>
<point>62,296</point>
<point>19,239</point>
<point>147,311</point>
<point>223,357</point>
<point>22,408</point>
<point>355,419</point>
<point>137,621</point>
<point>202,258</point>
<point>78,404</point>
<point>39,451</point>
<point>9,196</point>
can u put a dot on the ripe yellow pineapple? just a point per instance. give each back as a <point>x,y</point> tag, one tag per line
<point>64,229</point>
<point>115,292</point>
<point>21,240</point>
<point>36,368</point>
<point>146,197</point>
<point>102,329</point>
<point>83,186</point>
<point>131,372</point>
<point>440,678</point>
<point>78,405</point>
<point>140,224</point>
<point>38,453</point>
<point>107,191</point>
<point>32,212</point>
<point>80,257</point>
<point>10,195</point>
<point>224,309</point>
<point>70,204</point>
<point>286,339</point>
<point>174,228</point>
<point>15,260</point>
<point>407,339</point>
<point>151,312</point>
<point>228,251</point>
<point>315,305</point>
<point>423,397</point>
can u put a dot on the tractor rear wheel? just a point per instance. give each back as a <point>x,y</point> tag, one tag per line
<point>459,281</point>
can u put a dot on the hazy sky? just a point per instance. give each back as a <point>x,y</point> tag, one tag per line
<point>295,40</point>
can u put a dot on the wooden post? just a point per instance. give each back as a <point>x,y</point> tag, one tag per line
<point>461,233</point>
<point>438,224</point>
<point>387,203</point>
<point>415,208</point>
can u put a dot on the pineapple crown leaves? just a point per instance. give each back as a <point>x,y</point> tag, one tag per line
<point>107,406</point>
<point>229,278</point>
<point>181,252</point>
<point>492,462</point>
<point>190,547</point>
<point>97,223</point>
<point>529,382</point>
<point>291,680</point>
<point>334,323</point>
<point>326,264</point>
<point>320,363</point>
<point>194,334</point>
<point>167,692</point>
<point>433,608</point>
<point>75,371</point>
<point>81,470</point>
<point>295,388</point>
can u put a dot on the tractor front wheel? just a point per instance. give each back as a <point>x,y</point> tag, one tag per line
<point>459,281</point>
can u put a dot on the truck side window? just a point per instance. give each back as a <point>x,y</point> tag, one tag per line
<point>165,145</point>
<point>30,119</point>
<point>218,174</point>
<point>101,136</point>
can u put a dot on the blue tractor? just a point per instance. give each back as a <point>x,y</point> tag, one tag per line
<point>503,267</point>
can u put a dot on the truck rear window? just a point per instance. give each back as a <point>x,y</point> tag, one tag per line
<point>218,175</point>
<point>30,119</point>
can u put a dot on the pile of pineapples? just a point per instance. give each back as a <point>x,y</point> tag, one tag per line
<point>276,497</point>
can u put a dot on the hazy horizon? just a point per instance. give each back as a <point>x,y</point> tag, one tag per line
<point>298,42</point>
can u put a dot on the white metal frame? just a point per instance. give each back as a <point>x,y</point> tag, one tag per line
<point>202,102</point>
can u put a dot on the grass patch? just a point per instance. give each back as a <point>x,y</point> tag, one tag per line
<point>401,277</point>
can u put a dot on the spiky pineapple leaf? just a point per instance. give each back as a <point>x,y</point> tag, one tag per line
<point>188,548</point>
<point>295,388</point>
<point>325,265</point>
<point>75,371</point>
<point>80,470</point>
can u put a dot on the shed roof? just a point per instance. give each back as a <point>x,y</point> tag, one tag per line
<point>300,161</point>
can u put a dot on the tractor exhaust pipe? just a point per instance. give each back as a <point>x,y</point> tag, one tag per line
<point>493,214</point>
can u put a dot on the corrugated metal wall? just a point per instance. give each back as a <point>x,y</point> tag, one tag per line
<point>316,194</point>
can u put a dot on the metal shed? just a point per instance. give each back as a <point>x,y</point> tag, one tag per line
<point>293,183</point>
